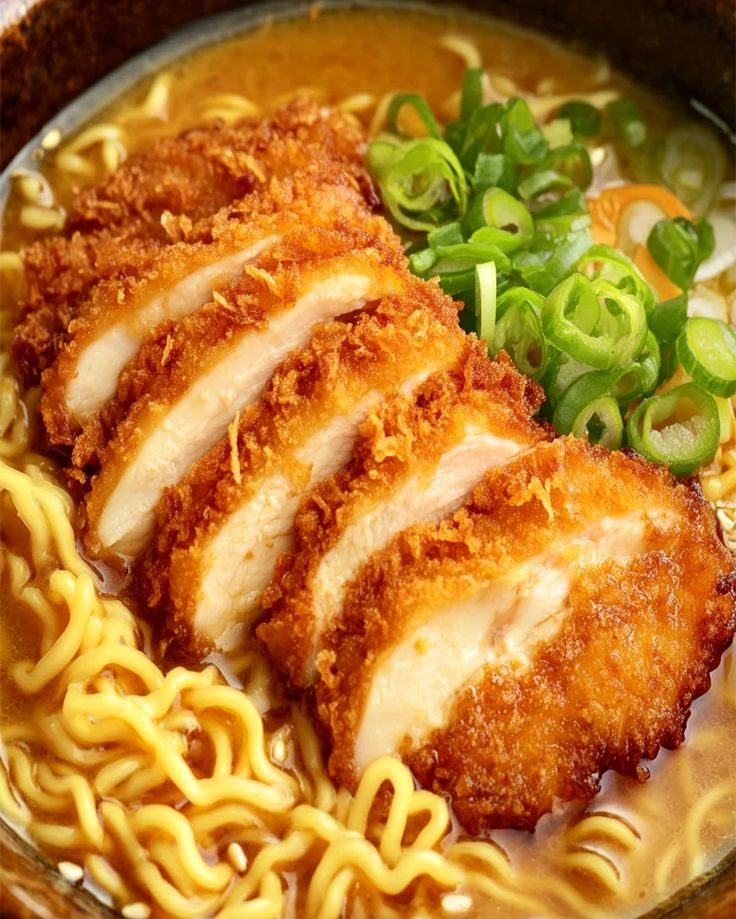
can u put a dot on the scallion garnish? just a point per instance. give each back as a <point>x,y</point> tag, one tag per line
<point>584,118</point>
<point>595,322</point>
<point>485,300</point>
<point>678,247</point>
<point>496,206</point>
<point>628,123</point>
<point>679,428</point>
<point>422,181</point>
<point>519,331</point>
<point>504,220</point>
<point>706,349</point>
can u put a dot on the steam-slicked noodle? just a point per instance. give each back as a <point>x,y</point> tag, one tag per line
<point>463,47</point>
<point>102,634</point>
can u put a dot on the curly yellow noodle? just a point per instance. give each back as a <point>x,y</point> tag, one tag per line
<point>15,809</point>
<point>464,48</point>
<point>18,573</point>
<point>106,877</point>
<point>609,827</point>
<point>115,725</point>
<point>594,864</point>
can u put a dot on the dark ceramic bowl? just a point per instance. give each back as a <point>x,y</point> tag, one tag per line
<point>53,51</point>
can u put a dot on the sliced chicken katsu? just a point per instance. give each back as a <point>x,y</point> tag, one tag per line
<point>417,460</point>
<point>59,274</point>
<point>559,625</point>
<point>220,531</point>
<point>191,382</point>
<point>206,169</point>
<point>176,191</point>
<point>111,326</point>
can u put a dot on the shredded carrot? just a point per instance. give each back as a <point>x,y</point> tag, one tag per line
<point>606,211</point>
<point>654,274</point>
<point>607,208</point>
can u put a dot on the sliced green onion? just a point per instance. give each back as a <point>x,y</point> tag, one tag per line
<point>584,118</point>
<point>595,322</point>
<point>420,106</point>
<point>588,408</point>
<point>458,283</point>
<point>496,210</point>
<point>706,349</point>
<point>668,318</point>
<point>539,183</point>
<point>483,134</point>
<point>463,256</point>
<point>421,262</point>
<point>558,132</point>
<point>494,170</point>
<point>601,423</point>
<point>449,234</point>
<point>679,428</point>
<point>572,161</point>
<point>692,162</point>
<point>420,183</point>
<point>561,374</point>
<point>485,300</point>
<point>471,97</point>
<point>519,332</point>
<point>678,247</point>
<point>567,214</point>
<point>522,138</point>
<point>545,268</point>
<point>628,123</point>
<point>608,263</point>
<point>650,364</point>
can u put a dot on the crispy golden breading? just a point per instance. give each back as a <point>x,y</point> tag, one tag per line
<point>400,446</point>
<point>615,683</point>
<point>59,274</point>
<point>183,188</point>
<point>125,303</point>
<point>196,349</point>
<point>206,169</point>
<point>344,363</point>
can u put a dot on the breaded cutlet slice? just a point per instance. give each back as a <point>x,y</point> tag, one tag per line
<point>189,384</point>
<point>557,626</point>
<point>206,169</point>
<point>182,189</point>
<point>219,531</point>
<point>418,459</point>
<point>120,314</point>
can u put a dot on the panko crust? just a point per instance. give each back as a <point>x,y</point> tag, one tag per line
<point>59,274</point>
<point>183,188</point>
<point>610,689</point>
<point>282,208</point>
<point>205,169</point>
<point>343,362</point>
<point>171,361</point>
<point>408,434</point>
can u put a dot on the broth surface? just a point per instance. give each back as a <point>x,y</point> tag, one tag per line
<point>633,845</point>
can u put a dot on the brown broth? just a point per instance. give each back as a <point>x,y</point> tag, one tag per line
<point>338,55</point>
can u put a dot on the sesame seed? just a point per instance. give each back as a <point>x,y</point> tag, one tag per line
<point>71,871</point>
<point>238,858</point>
<point>455,904</point>
<point>278,751</point>
<point>136,911</point>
